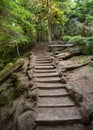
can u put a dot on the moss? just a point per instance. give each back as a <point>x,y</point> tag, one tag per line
<point>11,90</point>
<point>32,95</point>
<point>20,89</point>
<point>6,97</point>
<point>91,64</point>
<point>10,68</point>
<point>76,58</point>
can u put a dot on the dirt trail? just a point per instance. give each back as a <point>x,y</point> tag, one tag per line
<point>55,109</point>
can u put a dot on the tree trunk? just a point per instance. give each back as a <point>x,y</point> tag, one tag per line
<point>55,37</point>
<point>48,21</point>
<point>17,48</point>
<point>49,32</point>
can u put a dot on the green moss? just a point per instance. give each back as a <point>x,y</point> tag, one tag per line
<point>6,97</point>
<point>76,58</point>
<point>32,95</point>
<point>10,68</point>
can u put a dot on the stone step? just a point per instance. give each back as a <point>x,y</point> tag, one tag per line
<point>45,71</point>
<point>52,92</point>
<point>48,80</point>
<point>44,67</point>
<point>42,59</point>
<point>43,62</point>
<point>50,85</point>
<point>46,74</point>
<point>55,116</point>
<point>47,64</point>
<point>55,102</point>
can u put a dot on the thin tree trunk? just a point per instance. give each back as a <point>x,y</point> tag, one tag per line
<point>49,33</point>
<point>48,21</point>
<point>17,48</point>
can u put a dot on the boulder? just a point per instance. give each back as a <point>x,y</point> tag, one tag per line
<point>26,121</point>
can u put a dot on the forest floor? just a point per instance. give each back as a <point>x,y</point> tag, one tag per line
<point>81,79</point>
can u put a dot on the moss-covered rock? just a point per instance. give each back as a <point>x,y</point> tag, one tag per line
<point>12,89</point>
<point>10,68</point>
<point>6,97</point>
<point>6,93</point>
<point>32,95</point>
<point>91,63</point>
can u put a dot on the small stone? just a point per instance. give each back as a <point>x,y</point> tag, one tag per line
<point>32,95</point>
<point>63,80</point>
<point>69,88</point>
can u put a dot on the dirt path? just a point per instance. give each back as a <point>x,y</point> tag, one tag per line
<point>44,102</point>
<point>54,105</point>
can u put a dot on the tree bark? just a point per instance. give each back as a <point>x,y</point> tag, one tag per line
<point>48,21</point>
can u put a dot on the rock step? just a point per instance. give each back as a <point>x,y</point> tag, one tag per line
<point>55,102</point>
<point>46,74</point>
<point>50,85</point>
<point>43,62</point>
<point>48,80</point>
<point>52,92</point>
<point>47,64</point>
<point>55,116</point>
<point>44,67</point>
<point>42,59</point>
<point>45,71</point>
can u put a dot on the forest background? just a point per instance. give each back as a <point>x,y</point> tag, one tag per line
<point>24,22</point>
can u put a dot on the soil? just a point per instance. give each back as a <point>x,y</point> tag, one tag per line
<point>81,79</point>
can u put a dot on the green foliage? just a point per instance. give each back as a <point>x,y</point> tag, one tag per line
<point>86,43</point>
<point>73,39</point>
<point>13,22</point>
<point>26,21</point>
<point>83,12</point>
<point>79,27</point>
<point>16,29</point>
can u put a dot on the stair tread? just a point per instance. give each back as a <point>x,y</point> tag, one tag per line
<point>45,71</point>
<point>50,85</point>
<point>48,79</point>
<point>43,62</point>
<point>46,74</point>
<point>44,67</point>
<point>55,101</point>
<point>57,115</point>
<point>42,59</point>
<point>52,92</point>
<point>47,64</point>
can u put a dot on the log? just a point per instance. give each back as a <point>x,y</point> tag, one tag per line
<point>75,66</point>
<point>64,45</point>
<point>67,55</point>
<point>62,55</point>
<point>10,68</point>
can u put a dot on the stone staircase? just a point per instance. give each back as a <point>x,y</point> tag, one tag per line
<point>54,105</point>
